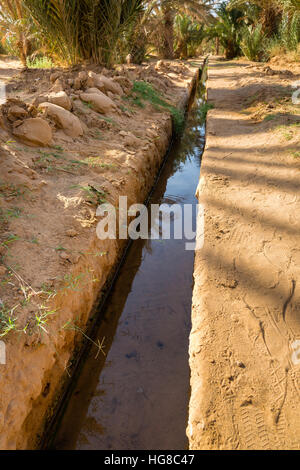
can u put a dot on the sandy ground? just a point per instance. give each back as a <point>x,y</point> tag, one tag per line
<point>244,345</point>
<point>8,68</point>
<point>52,265</point>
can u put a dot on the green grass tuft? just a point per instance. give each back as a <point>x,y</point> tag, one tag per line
<point>203,110</point>
<point>144,91</point>
<point>270,117</point>
<point>7,321</point>
<point>40,63</point>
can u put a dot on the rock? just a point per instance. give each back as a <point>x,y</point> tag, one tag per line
<point>32,110</point>
<point>83,76</point>
<point>95,81</point>
<point>54,76</point>
<point>35,132</point>
<point>77,84</point>
<point>105,84</point>
<point>58,86</point>
<point>99,101</point>
<point>94,90</point>
<point>40,99</point>
<point>71,233</point>
<point>90,83</point>
<point>16,112</point>
<point>63,119</point>
<point>111,85</point>
<point>60,99</point>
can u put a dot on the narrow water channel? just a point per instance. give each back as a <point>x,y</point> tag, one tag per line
<point>137,396</point>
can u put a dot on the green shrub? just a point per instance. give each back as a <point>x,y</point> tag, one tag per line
<point>274,47</point>
<point>289,31</point>
<point>252,42</point>
<point>84,29</point>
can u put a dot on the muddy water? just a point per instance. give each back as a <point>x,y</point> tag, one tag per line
<point>137,396</point>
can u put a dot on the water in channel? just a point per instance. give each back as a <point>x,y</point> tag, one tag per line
<point>137,396</point>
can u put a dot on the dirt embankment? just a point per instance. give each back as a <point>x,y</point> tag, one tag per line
<point>244,344</point>
<point>70,139</point>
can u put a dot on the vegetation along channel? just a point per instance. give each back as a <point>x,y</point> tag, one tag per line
<point>136,397</point>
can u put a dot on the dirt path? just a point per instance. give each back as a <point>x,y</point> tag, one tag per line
<point>8,68</point>
<point>244,354</point>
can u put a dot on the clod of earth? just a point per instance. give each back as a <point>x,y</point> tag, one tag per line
<point>110,85</point>
<point>104,84</point>
<point>61,99</point>
<point>63,119</point>
<point>99,101</point>
<point>16,112</point>
<point>35,132</point>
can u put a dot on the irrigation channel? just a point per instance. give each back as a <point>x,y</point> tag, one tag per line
<point>137,396</point>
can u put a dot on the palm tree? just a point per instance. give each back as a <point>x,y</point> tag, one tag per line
<point>269,12</point>
<point>227,29</point>
<point>84,29</point>
<point>189,35</point>
<point>166,11</point>
<point>169,13</point>
<point>292,6</point>
<point>15,23</point>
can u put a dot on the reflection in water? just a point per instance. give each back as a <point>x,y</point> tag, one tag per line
<point>137,397</point>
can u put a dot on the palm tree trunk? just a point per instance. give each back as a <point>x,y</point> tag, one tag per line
<point>217,45</point>
<point>22,45</point>
<point>181,50</point>
<point>168,37</point>
<point>270,18</point>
